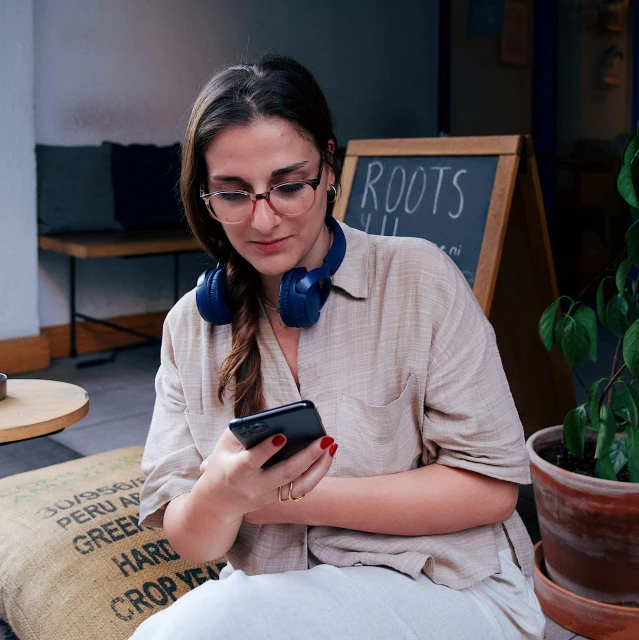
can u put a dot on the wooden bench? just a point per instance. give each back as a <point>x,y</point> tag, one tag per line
<point>117,244</point>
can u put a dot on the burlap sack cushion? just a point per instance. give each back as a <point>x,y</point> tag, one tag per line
<point>74,563</point>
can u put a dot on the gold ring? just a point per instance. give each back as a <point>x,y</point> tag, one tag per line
<point>290,494</point>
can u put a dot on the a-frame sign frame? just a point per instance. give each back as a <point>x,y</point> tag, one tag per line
<point>515,279</point>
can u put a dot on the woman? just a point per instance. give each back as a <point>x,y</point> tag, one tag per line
<point>407,530</point>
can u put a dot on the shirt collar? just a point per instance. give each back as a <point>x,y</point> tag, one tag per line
<point>352,275</point>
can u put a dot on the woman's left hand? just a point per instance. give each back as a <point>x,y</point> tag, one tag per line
<point>275,513</point>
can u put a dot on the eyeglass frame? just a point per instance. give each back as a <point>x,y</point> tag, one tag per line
<point>266,195</point>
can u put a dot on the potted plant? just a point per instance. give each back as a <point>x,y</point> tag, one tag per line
<point>586,472</point>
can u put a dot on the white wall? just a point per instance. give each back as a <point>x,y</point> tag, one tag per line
<point>18,240</point>
<point>130,71</point>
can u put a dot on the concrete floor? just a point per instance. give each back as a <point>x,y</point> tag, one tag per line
<point>121,396</point>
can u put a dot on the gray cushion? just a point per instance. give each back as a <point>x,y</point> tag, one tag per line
<point>74,189</point>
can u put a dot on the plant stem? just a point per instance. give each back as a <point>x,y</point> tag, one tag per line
<point>610,383</point>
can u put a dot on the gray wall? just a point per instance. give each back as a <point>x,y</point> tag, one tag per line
<point>129,72</point>
<point>18,241</point>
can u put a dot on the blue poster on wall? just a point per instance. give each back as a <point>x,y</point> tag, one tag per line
<point>485,18</point>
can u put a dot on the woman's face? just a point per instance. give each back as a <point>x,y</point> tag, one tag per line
<point>255,158</point>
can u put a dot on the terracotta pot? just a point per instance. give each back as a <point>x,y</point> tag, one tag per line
<point>589,527</point>
<point>588,618</point>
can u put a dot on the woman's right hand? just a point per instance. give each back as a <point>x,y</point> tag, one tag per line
<point>234,483</point>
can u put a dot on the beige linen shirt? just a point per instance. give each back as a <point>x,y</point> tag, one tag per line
<point>404,370</point>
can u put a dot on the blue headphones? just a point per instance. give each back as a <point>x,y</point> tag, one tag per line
<point>302,293</point>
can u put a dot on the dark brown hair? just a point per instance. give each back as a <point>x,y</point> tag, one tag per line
<point>275,86</point>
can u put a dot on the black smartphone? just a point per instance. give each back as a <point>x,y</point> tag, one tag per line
<point>299,422</point>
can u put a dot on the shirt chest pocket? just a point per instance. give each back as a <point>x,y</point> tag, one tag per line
<point>377,440</point>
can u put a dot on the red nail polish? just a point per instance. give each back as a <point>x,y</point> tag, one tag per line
<point>326,441</point>
<point>278,441</point>
<point>333,449</point>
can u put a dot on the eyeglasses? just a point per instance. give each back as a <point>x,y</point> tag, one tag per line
<point>286,199</point>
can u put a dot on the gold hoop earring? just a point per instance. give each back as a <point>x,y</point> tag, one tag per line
<point>332,186</point>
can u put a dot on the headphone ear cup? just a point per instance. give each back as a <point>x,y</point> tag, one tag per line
<point>210,296</point>
<point>310,306</point>
<point>298,309</point>
<point>286,309</point>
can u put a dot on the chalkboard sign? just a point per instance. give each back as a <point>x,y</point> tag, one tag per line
<point>444,200</point>
<point>479,200</point>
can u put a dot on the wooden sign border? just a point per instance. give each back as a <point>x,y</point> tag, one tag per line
<point>508,148</point>
<point>516,171</point>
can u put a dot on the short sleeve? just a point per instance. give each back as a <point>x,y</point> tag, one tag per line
<point>171,460</point>
<point>470,418</point>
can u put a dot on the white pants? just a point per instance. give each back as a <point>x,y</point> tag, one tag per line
<point>353,603</point>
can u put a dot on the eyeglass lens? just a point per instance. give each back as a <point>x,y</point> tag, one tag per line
<point>290,199</point>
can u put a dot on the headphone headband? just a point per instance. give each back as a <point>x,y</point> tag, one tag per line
<point>302,294</point>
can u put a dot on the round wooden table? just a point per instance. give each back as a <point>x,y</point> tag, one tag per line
<point>35,408</point>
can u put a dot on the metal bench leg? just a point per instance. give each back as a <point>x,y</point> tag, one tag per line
<point>72,337</point>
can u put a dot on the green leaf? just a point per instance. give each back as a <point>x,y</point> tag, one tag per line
<point>630,149</point>
<point>558,332</point>
<point>575,431</point>
<point>593,402</point>
<point>547,323</point>
<point>632,450</point>
<point>625,186</point>
<point>605,469</point>
<point>607,430</point>
<point>601,302</point>
<point>618,454</point>
<point>631,349</point>
<point>635,213</point>
<point>634,174</point>
<point>633,310</point>
<point>632,440</point>
<point>617,314</point>
<point>634,392</point>
<point>587,321</point>
<point>632,242</point>
<point>575,342</point>
<point>622,274</point>
<point>623,404</point>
